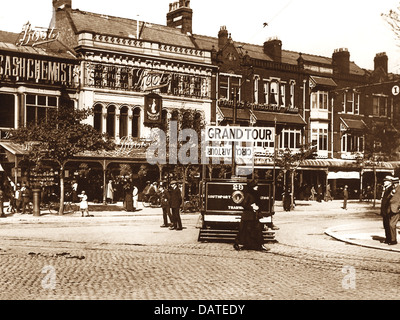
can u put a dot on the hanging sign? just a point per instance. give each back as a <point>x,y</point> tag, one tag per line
<point>152,109</point>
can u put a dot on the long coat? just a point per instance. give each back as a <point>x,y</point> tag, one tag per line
<point>175,198</point>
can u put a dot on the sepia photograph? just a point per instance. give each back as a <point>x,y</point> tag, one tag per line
<point>200,158</point>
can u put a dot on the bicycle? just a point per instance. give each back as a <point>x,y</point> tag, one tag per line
<point>192,205</point>
<point>153,201</point>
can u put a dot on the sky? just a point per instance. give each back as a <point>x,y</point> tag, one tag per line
<point>308,26</point>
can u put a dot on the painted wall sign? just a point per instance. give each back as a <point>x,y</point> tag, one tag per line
<point>16,68</point>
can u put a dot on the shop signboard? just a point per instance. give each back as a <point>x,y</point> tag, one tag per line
<point>152,109</point>
<point>227,197</point>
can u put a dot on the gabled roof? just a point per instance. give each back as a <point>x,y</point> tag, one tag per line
<point>56,49</point>
<point>122,27</point>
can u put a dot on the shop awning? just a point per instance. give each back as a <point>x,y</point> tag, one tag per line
<point>14,148</point>
<point>242,114</point>
<point>351,124</point>
<point>322,82</point>
<point>343,175</point>
<point>281,118</point>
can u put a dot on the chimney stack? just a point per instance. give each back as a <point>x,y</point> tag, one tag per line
<point>341,60</point>
<point>381,61</point>
<point>180,16</point>
<point>59,5</point>
<point>222,37</point>
<point>273,48</point>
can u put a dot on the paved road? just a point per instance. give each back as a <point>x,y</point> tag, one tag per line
<point>120,256</point>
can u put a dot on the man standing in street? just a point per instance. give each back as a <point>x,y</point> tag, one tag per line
<point>385,206</point>
<point>345,197</point>
<point>394,212</point>
<point>2,203</point>
<point>175,204</point>
<point>165,205</point>
<point>25,194</point>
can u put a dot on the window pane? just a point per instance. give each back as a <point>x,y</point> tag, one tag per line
<point>7,110</point>
<point>52,101</point>
<point>30,99</point>
<point>42,100</point>
<point>30,115</point>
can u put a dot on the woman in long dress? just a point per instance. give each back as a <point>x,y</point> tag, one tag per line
<point>250,235</point>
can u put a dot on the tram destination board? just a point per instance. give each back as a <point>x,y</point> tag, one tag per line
<point>227,197</point>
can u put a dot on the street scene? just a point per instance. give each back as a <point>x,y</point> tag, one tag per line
<point>158,159</point>
<point>322,253</point>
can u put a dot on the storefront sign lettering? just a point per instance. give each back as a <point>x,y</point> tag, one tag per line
<point>145,79</point>
<point>257,106</point>
<point>27,69</point>
<point>33,36</point>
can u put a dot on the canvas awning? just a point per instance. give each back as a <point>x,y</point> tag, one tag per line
<point>281,118</point>
<point>322,82</point>
<point>352,124</point>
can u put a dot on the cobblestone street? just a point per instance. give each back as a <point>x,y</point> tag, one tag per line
<point>131,257</point>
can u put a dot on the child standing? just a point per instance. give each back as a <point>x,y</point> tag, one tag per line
<point>84,203</point>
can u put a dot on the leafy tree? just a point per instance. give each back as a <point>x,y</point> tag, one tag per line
<point>61,136</point>
<point>289,161</point>
<point>381,144</point>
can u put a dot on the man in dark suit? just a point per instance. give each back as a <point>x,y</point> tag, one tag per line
<point>385,206</point>
<point>175,199</point>
<point>394,214</point>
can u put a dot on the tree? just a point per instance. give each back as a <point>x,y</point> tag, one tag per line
<point>381,144</point>
<point>393,19</point>
<point>289,161</point>
<point>59,137</point>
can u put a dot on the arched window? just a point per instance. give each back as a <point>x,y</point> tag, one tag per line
<point>123,122</point>
<point>111,121</point>
<point>136,123</point>
<point>98,119</point>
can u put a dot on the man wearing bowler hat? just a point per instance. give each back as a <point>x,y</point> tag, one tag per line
<point>385,205</point>
<point>394,212</point>
<point>175,199</point>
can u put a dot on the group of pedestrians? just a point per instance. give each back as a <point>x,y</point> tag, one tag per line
<point>171,201</point>
<point>19,197</point>
<point>390,206</point>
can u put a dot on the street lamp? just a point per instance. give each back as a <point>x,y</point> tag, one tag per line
<point>274,174</point>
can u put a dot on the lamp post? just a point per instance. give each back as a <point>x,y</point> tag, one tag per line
<point>274,174</point>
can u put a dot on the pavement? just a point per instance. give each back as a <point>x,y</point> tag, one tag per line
<point>365,232</point>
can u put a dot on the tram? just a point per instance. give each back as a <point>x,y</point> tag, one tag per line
<point>221,209</point>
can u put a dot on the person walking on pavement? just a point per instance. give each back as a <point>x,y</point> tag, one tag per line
<point>394,211</point>
<point>2,203</point>
<point>135,197</point>
<point>328,194</point>
<point>110,192</point>
<point>175,202</point>
<point>84,206</point>
<point>385,206</point>
<point>250,235</point>
<point>313,193</point>
<point>26,195</point>
<point>18,198</point>
<point>345,197</point>
<point>165,205</point>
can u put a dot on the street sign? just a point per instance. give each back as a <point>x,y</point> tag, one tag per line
<point>240,134</point>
